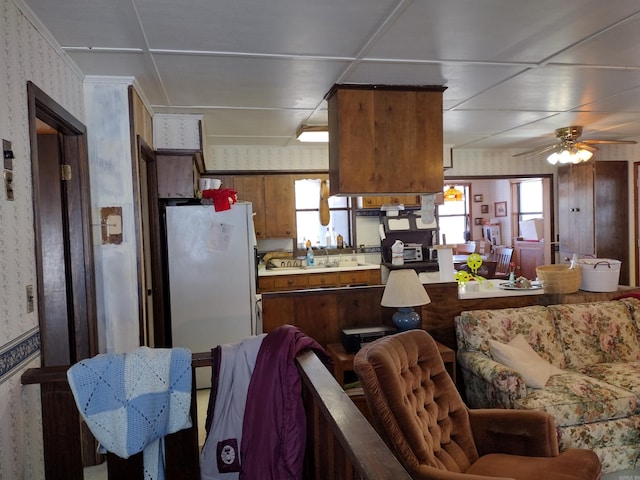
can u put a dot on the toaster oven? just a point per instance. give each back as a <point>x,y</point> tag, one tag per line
<point>412,252</point>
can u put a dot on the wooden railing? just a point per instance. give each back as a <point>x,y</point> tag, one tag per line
<point>341,444</point>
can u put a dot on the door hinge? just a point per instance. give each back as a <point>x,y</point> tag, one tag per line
<point>65,172</point>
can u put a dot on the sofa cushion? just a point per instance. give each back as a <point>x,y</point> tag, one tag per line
<point>633,304</point>
<point>535,323</point>
<point>597,332</point>
<point>624,375</point>
<point>519,356</point>
<point>573,398</point>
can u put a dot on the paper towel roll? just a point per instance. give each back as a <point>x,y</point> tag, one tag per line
<point>445,265</point>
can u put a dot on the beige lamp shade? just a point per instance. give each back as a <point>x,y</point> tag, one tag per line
<point>403,289</point>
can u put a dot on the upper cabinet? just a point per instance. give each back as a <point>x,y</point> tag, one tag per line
<point>385,139</point>
<point>178,173</point>
<point>273,201</point>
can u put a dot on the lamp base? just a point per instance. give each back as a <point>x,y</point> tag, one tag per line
<point>406,318</point>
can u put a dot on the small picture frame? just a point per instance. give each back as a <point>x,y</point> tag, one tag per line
<point>478,198</point>
<point>478,221</point>
<point>484,208</point>
<point>500,209</point>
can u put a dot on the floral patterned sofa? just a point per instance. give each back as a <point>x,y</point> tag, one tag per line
<point>592,355</point>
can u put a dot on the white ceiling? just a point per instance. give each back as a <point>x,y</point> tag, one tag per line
<point>515,70</point>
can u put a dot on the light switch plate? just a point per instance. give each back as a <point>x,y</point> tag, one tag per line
<point>8,184</point>
<point>30,299</point>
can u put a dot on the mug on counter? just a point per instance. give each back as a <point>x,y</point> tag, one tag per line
<point>209,183</point>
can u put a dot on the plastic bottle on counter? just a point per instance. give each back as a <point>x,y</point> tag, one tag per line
<point>310,259</point>
<point>327,238</point>
<point>339,241</point>
<point>397,253</point>
<point>308,244</point>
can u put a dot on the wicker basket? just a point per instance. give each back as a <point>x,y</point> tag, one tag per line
<point>559,278</point>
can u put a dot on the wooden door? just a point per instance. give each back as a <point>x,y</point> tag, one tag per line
<point>62,221</point>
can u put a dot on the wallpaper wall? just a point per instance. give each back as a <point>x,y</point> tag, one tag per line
<point>25,54</point>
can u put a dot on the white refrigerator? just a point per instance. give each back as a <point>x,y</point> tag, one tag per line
<point>212,277</point>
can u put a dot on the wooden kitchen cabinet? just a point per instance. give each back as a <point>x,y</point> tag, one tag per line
<point>592,212</point>
<point>274,203</point>
<point>178,172</point>
<point>302,281</point>
<point>324,280</point>
<point>378,201</point>
<point>279,206</point>
<point>385,139</point>
<point>528,255</point>
<point>250,188</point>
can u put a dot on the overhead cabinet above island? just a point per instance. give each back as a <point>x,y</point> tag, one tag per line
<point>385,139</point>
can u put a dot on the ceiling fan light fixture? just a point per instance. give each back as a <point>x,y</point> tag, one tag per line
<point>313,133</point>
<point>569,154</point>
<point>452,194</point>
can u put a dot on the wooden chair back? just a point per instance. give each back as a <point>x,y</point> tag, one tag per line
<point>462,248</point>
<point>502,256</point>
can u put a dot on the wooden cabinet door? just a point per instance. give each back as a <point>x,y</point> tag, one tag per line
<point>280,206</point>
<point>575,210</point>
<point>528,256</point>
<point>177,176</point>
<point>250,188</point>
<point>385,140</point>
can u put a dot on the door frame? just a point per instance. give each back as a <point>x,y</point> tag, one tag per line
<point>82,327</point>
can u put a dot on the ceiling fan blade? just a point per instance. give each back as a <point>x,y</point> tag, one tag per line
<point>628,142</point>
<point>538,151</point>
<point>586,146</point>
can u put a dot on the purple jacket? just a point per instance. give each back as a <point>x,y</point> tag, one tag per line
<point>274,424</point>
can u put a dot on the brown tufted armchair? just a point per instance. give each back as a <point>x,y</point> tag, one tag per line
<point>419,413</point>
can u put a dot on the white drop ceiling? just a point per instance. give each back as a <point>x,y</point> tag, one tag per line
<point>515,70</point>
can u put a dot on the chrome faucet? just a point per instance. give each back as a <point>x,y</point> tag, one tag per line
<point>326,251</point>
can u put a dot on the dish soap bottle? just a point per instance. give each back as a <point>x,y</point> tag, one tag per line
<point>512,274</point>
<point>339,241</point>
<point>310,259</point>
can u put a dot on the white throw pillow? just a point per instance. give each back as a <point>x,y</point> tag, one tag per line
<point>521,357</point>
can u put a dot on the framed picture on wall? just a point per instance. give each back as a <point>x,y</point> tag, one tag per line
<point>478,221</point>
<point>484,208</point>
<point>500,209</point>
<point>477,198</point>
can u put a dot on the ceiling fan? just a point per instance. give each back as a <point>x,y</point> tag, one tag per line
<point>569,149</point>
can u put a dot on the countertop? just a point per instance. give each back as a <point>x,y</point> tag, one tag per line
<point>491,289</point>
<point>318,268</point>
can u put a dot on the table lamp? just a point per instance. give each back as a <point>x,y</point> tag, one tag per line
<point>404,291</point>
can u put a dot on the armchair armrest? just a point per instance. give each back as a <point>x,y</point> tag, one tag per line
<point>490,384</point>
<point>516,432</point>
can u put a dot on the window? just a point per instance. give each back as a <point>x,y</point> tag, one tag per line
<point>308,216</point>
<point>529,199</point>
<point>453,219</point>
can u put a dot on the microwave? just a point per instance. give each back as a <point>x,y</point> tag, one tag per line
<point>412,252</point>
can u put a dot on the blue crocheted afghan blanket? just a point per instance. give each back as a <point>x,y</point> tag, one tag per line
<point>131,401</point>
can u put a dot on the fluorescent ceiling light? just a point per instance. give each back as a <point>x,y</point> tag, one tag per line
<point>313,133</point>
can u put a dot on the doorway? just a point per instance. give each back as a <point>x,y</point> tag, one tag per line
<point>63,239</point>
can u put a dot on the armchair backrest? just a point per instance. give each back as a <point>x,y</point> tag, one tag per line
<point>414,403</point>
